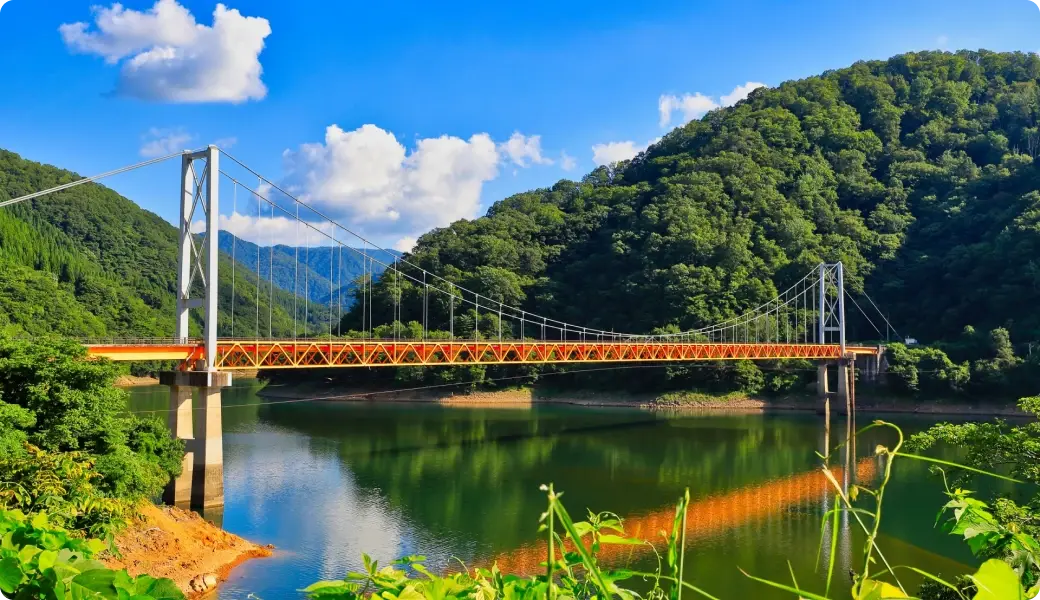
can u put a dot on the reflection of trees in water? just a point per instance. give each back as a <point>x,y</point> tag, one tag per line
<point>476,472</point>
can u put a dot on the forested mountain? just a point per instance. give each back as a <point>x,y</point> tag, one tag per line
<point>89,262</point>
<point>313,270</point>
<point>917,172</point>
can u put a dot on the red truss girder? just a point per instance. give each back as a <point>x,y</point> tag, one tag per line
<point>311,354</point>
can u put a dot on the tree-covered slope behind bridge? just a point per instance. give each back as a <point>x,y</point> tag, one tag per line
<point>917,173</point>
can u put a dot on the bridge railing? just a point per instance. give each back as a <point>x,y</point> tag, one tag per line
<point>140,341</point>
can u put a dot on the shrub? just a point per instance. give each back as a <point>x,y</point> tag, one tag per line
<point>61,485</point>
<point>54,397</point>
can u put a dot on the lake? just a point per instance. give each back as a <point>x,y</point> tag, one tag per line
<point>325,482</point>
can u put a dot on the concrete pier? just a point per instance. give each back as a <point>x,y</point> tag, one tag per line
<point>823,391</point>
<point>842,396</point>
<point>201,482</point>
<point>843,384</point>
<point>178,491</point>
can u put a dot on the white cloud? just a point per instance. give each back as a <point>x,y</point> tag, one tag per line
<point>368,180</point>
<point>520,149</point>
<point>226,143</point>
<point>160,142</point>
<point>696,105</point>
<point>167,56</point>
<point>267,230</point>
<point>740,92</point>
<point>942,41</point>
<point>405,244</point>
<point>612,152</point>
<point>692,106</point>
<point>567,162</point>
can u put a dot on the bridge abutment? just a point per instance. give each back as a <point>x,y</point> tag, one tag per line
<point>201,482</point>
<point>844,393</point>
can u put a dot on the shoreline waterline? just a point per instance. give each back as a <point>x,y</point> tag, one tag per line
<point>521,397</point>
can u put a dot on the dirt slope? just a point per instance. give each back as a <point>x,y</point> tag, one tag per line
<point>181,545</point>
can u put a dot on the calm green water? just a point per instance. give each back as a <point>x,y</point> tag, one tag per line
<point>325,482</point>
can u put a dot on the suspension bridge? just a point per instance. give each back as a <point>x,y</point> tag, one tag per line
<point>805,321</point>
<point>456,325</point>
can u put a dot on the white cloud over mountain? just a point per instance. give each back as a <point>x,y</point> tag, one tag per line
<point>612,152</point>
<point>690,105</point>
<point>696,105</point>
<point>366,178</point>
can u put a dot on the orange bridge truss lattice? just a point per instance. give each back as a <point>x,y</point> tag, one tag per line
<point>308,354</point>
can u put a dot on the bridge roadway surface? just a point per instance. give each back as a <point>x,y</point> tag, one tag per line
<point>235,354</point>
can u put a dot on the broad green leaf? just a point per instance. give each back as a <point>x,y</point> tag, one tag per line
<point>39,521</point>
<point>10,575</point>
<point>123,581</point>
<point>96,546</point>
<point>27,553</point>
<point>50,541</point>
<point>326,586</point>
<point>410,593</point>
<point>47,559</point>
<point>97,580</point>
<point>997,581</point>
<point>162,589</point>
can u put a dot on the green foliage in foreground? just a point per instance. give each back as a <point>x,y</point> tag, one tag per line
<point>54,398</point>
<point>989,538</point>
<point>572,568</point>
<point>39,560</point>
<point>997,446</point>
<point>573,571</point>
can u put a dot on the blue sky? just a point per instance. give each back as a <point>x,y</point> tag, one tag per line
<point>424,96</point>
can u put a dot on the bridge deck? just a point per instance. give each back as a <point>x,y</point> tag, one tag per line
<point>297,354</point>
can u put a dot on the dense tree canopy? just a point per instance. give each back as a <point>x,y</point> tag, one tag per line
<point>916,172</point>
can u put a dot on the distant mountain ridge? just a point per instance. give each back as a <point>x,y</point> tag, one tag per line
<point>320,274</point>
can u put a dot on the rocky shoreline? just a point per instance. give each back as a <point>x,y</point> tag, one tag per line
<point>166,541</point>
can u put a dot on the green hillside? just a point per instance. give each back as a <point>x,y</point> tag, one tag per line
<point>89,262</point>
<point>917,172</point>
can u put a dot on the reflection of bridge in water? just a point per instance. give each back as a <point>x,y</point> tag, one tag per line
<point>705,517</point>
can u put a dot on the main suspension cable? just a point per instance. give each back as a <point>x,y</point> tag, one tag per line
<point>72,184</point>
